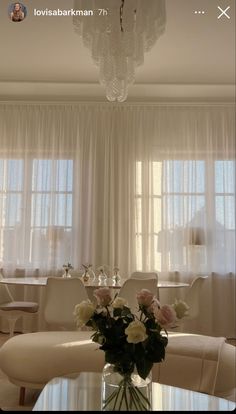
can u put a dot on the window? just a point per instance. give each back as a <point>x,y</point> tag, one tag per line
<point>11,207</point>
<point>185,214</point>
<point>224,235</point>
<point>36,202</point>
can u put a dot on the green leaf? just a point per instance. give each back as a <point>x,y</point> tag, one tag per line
<point>139,352</point>
<point>151,324</point>
<point>126,312</point>
<point>110,356</point>
<point>144,366</point>
<point>117,312</point>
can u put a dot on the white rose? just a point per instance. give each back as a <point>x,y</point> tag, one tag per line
<point>83,312</point>
<point>136,332</point>
<point>119,302</point>
<point>181,308</point>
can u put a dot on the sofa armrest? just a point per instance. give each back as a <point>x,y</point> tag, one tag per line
<point>199,363</point>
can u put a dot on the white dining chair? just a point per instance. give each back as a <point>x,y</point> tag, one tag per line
<point>146,275</point>
<point>132,286</point>
<point>61,296</point>
<point>192,298</point>
<point>12,310</point>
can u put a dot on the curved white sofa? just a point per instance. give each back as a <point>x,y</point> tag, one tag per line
<point>196,362</point>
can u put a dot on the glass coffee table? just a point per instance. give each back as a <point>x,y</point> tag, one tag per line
<point>83,393</point>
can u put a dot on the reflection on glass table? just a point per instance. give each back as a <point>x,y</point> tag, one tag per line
<point>84,394</point>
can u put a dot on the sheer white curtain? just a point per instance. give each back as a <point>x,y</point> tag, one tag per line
<point>143,187</point>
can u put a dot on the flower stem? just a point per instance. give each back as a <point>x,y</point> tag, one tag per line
<point>130,395</point>
<point>138,392</point>
<point>117,395</point>
<point>133,399</point>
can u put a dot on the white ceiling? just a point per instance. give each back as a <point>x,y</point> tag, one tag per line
<point>44,57</point>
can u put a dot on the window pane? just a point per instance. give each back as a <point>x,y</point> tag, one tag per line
<point>42,175</point>
<point>11,210</point>
<point>138,202</point>
<point>157,215</point>
<point>157,255</point>
<point>39,248</point>
<point>225,176</point>
<point>182,210</point>
<point>157,178</point>
<point>14,175</point>
<point>225,211</point>
<point>64,178</point>
<point>184,176</point>
<point>52,209</point>
<point>11,175</point>
<point>40,210</point>
<point>63,210</point>
<point>139,262</point>
<point>11,243</point>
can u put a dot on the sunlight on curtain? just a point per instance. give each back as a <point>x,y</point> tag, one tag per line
<point>143,187</point>
<point>192,215</point>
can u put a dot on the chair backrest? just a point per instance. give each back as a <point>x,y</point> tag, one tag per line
<point>194,294</point>
<point>5,295</point>
<point>60,299</point>
<point>146,275</point>
<point>132,286</point>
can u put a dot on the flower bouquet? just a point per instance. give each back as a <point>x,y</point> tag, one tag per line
<point>67,267</point>
<point>132,344</point>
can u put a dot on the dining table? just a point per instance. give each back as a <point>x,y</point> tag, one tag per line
<point>42,281</point>
<point>33,289</point>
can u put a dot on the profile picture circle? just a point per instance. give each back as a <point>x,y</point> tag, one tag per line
<point>17,12</point>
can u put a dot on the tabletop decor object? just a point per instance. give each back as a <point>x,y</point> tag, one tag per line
<point>67,267</point>
<point>116,275</point>
<point>88,273</point>
<point>132,344</point>
<point>102,277</point>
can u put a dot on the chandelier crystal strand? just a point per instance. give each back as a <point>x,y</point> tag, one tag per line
<point>118,34</point>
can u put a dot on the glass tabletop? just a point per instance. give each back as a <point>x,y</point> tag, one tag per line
<point>83,393</point>
<point>41,281</point>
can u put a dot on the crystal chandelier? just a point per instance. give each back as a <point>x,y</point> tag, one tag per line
<point>118,34</point>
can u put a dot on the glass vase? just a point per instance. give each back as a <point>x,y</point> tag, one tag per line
<point>88,273</point>
<point>125,392</point>
<point>102,278</point>
<point>85,276</point>
<point>66,274</point>
<point>116,278</point>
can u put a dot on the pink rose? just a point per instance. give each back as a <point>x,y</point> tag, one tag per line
<point>165,316</point>
<point>103,296</point>
<point>145,297</point>
<point>155,305</point>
